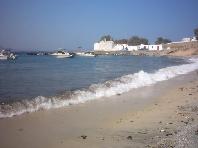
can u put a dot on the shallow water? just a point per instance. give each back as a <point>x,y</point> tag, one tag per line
<point>32,76</point>
<point>32,83</point>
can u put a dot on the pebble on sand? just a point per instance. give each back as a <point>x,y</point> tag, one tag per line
<point>129,138</point>
<point>83,137</point>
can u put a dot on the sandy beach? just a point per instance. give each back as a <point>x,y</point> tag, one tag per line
<point>161,115</point>
<point>99,74</point>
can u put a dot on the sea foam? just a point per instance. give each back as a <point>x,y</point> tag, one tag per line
<point>97,91</point>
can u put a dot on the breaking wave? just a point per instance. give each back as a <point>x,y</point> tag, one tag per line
<point>96,91</point>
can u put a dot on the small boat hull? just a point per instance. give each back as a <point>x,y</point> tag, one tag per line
<point>63,56</point>
<point>86,54</point>
<point>3,56</point>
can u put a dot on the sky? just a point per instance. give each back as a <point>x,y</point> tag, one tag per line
<point>52,24</point>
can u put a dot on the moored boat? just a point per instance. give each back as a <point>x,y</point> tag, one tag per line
<point>3,57</point>
<point>7,55</point>
<point>88,54</point>
<point>62,54</point>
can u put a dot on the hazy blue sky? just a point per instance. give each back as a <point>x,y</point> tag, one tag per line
<point>51,24</point>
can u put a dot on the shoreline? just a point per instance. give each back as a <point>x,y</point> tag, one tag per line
<point>169,53</point>
<point>184,49</point>
<point>139,118</point>
<point>109,88</point>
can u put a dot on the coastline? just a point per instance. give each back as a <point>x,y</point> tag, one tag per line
<point>144,117</point>
<point>183,49</point>
<point>171,52</point>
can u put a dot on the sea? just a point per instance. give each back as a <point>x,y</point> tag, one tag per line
<point>31,83</point>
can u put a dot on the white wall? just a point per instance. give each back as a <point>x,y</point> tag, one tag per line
<point>104,46</point>
<point>150,47</point>
<point>118,47</point>
<point>155,47</point>
<point>132,48</point>
<point>186,39</point>
<point>96,46</point>
<point>111,46</point>
<point>142,46</point>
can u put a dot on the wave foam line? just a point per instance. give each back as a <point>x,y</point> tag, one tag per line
<point>96,91</point>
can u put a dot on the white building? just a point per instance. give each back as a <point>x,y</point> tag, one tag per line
<point>104,46</point>
<point>118,47</point>
<point>132,48</point>
<point>186,39</point>
<point>155,47</point>
<point>111,46</point>
<point>193,39</point>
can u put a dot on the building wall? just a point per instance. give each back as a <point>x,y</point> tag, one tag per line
<point>118,47</point>
<point>96,46</point>
<point>104,46</point>
<point>132,48</point>
<point>111,46</point>
<point>142,46</point>
<point>186,39</point>
<point>155,47</point>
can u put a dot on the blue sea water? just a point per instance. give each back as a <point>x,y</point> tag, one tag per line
<point>31,83</point>
<point>32,76</point>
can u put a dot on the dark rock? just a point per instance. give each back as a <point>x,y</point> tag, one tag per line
<point>20,129</point>
<point>186,122</point>
<point>84,137</point>
<point>169,134</point>
<point>189,94</point>
<point>142,132</point>
<point>129,138</point>
<point>196,132</point>
<point>181,88</point>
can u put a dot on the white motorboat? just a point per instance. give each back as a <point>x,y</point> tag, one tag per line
<point>3,57</point>
<point>7,55</point>
<point>62,54</point>
<point>12,56</point>
<point>88,54</point>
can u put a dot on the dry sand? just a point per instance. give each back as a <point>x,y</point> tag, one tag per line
<point>161,115</point>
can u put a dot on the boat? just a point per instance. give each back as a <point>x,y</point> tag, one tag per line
<point>3,57</point>
<point>62,54</point>
<point>7,55</point>
<point>88,54</point>
<point>12,56</point>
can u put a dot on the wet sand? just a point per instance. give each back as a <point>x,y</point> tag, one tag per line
<point>161,115</point>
